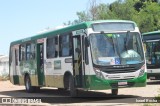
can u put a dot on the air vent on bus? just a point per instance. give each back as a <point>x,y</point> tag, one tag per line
<point>113,70</point>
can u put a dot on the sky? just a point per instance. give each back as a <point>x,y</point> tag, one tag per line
<point>24,18</point>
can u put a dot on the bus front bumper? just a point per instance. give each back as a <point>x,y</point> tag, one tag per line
<point>101,84</point>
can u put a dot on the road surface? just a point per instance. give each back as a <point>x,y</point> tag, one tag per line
<point>51,96</point>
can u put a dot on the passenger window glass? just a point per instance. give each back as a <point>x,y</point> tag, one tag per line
<point>16,57</point>
<point>65,45</point>
<point>33,48</point>
<point>28,51</point>
<point>52,47</point>
<point>22,52</point>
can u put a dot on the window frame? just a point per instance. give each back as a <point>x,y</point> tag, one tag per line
<point>31,52</point>
<point>55,50</point>
<point>22,54</point>
<point>61,44</point>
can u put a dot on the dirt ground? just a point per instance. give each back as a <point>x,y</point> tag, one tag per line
<point>151,90</point>
<point>7,85</point>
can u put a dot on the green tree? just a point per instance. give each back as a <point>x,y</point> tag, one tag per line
<point>145,13</point>
<point>102,12</point>
<point>83,16</point>
<point>148,17</point>
<point>95,11</point>
<point>123,10</point>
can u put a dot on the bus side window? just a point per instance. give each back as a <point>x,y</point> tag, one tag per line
<point>65,45</point>
<point>28,51</point>
<point>56,46</point>
<point>33,50</point>
<point>70,45</point>
<point>22,52</point>
<point>10,56</point>
<point>16,56</point>
<point>52,44</point>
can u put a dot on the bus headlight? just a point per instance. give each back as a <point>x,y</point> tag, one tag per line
<point>142,70</point>
<point>98,73</point>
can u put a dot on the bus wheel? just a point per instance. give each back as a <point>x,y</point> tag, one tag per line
<point>73,90</point>
<point>61,89</point>
<point>28,86</point>
<point>66,82</point>
<point>36,89</point>
<point>114,91</point>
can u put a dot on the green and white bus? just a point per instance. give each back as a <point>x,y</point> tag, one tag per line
<point>152,52</point>
<point>94,55</point>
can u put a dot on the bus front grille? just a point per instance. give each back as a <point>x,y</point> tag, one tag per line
<point>119,70</point>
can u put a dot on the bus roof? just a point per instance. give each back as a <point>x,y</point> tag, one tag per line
<point>65,30</point>
<point>151,33</point>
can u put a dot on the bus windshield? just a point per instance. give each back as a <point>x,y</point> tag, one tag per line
<point>152,53</point>
<point>116,48</point>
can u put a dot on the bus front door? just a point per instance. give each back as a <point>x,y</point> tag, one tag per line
<point>78,71</point>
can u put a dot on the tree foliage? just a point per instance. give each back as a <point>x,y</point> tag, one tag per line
<point>145,13</point>
<point>148,18</point>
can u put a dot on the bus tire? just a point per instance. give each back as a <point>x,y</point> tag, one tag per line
<point>28,86</point>
<point>73,90</point>
<point>66,80</point>
<point>61,89</point>
<point>36,89</point>
<point>114,91</point>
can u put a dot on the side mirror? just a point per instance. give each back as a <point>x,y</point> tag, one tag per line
<point>86,42</point>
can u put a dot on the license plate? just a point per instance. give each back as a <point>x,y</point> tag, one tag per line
<point>152,78</point>
<point>122,83</point>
